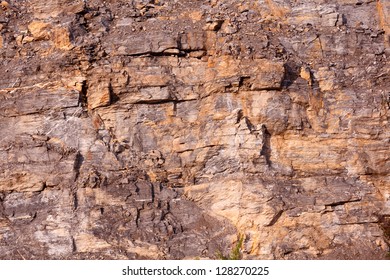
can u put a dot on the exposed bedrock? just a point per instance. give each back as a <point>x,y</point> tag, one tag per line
<point>165,129</point>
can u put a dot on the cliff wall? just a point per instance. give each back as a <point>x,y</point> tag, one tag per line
<point>164,129</point>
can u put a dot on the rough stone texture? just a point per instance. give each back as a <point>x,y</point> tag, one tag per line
<point>164,129</point>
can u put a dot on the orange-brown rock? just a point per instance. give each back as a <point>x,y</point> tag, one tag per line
<point>166,129</point>
<point>39,30</point>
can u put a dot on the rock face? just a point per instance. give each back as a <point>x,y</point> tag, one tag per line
<point>164,129</point>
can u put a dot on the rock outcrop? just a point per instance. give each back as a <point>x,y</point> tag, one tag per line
<point>153,129</point>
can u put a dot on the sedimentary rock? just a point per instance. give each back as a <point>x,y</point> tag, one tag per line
<point>166,129</point>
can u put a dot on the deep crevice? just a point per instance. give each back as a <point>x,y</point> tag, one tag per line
<point>266,148</point>
<point>291,73</point>
<point>83,101</point>
<point>77,165</point>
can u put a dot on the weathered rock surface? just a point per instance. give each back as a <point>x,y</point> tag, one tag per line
<point>163,129</point>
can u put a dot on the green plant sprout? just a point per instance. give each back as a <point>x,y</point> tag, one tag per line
<point>235,253</point>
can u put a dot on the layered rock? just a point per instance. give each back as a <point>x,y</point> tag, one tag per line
<point>164,129</point>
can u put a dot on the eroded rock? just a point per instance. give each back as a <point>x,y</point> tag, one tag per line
<point>134,130</point>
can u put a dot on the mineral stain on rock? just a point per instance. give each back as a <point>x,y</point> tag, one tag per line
<point>150,129</point>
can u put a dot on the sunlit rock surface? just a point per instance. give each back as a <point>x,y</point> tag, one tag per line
<point>165,129</point>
